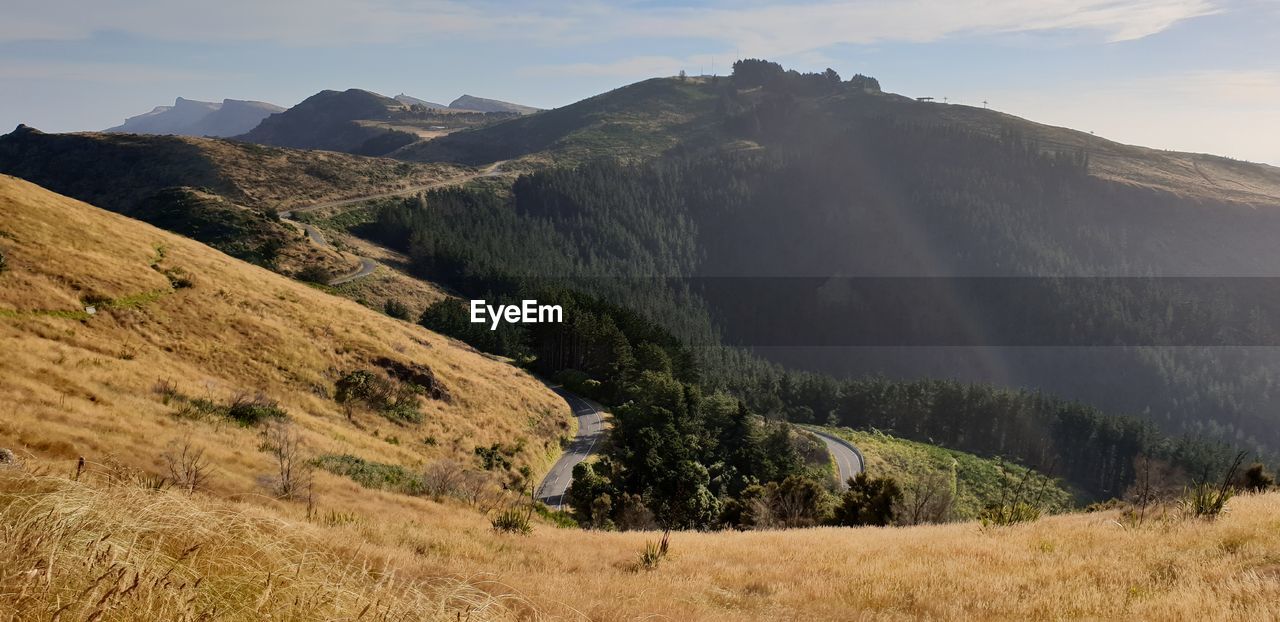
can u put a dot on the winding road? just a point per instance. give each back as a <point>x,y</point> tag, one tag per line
<point>367,265</point>
<point>590,432</point>
<point>848,459</point>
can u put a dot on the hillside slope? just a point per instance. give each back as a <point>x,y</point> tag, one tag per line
<point>176,322</point>
<point>634,122</point>
<point>180,329</point>
<point>220,192</point>
<point>328,120</point>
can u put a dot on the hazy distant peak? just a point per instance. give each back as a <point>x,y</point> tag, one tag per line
<point>481,104</point>
<point>414,101</point>
<point>192,117</point>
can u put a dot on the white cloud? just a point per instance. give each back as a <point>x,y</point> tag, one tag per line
<point>760,29</point>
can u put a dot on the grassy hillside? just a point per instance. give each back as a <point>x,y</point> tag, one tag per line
<point>182,334</point>
<point>177,323</point>
<point>970,481</point>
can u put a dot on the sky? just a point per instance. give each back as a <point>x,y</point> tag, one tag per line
<point>1189,75</point>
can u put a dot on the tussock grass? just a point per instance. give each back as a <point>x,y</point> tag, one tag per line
<point>73,551</point>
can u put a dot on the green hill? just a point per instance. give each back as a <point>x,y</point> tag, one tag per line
<point>941,484</point>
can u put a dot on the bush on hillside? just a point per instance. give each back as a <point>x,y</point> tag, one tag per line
<point>251,411</point>
<point>397,402</point>
<point>314,274</point>
<point>396,309</point>
<point>372,474</point>
<point>1256,478</point>
<point>513,520</point>
<point>868,501</point>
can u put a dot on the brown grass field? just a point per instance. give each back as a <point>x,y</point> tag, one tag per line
<point>112,545</point>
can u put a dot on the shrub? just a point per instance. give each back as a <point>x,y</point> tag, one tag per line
<point>497,456</point>
<point>4,265</point>
<point>513,520</point>
<point>243,409</point>
<point>293,470</point>
<point>398,403</point>
<point>187,465</point>
<point>655,552</point>
<point>559,518</point>
<point>251,411</point>
<point>314,274</point>
<point>868,501</point>
<point>799,502</point>
<point>396,309</point>
<point>446,478</point>
<point>1005,514</point>
<point>1208,500</point>
<point>372,474</point>
<point>927,500</point>
<point>1257,479</point>
<point>1017,504</point>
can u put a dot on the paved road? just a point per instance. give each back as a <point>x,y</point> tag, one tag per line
<point>590,432</point>
<point>367,266</point>
<point>848,458</point>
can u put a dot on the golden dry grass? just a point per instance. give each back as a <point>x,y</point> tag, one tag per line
<point>79,552</point>
<point>85,387</point>
<point>1085,566</point>
<point>71,387</point>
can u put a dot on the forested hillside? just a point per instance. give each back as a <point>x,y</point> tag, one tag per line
<point>891,198</point>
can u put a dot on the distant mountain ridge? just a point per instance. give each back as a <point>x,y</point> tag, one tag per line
<point>189,117</point>
<point>480,104</point>
<point>366,123</point>
<point>414,101</point>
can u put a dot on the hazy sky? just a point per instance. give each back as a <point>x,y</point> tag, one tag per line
<point>1197,75</point>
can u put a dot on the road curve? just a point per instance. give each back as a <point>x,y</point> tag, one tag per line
<point>590,433</point>
<point>848,459</point>
<point>367,266</point>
